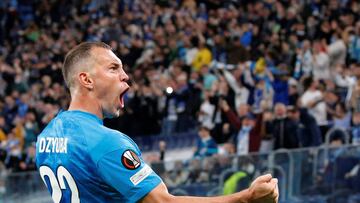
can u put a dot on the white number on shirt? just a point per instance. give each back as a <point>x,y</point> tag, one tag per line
<point>57,183</point>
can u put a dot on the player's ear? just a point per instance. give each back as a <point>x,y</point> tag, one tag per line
<point>85,80</point>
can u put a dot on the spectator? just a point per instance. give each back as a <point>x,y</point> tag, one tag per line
<point>2,129</point>
<point>313,99</point>
<point>208,78</point>
<point>241,92</point>
<point>355,130</point>
<point>236,52</point>
<point>321,62</point>
<point>203,57</point>
<point>354,43</point>
<point>337,50</point>
<point>285,130</point>
<point>205,145</point>
<point>304,61</point>
<point>13,150</point>
<point>227,149</point>
<point>207,111</point>
<point>342,118</point>
<point>267,139</point>
<point>191,50</point>
<point>31,129</point>
<point>162,148</point>
<point>345,82</point>
<point>194,171</point>
<point>293,92</point>
<point>355,97</point>
<point>177,176</point>
<point>9,110</point>
<point>281,88</point>
<point>27,161</point>
<point>247,138</point>
<point>309,133</point>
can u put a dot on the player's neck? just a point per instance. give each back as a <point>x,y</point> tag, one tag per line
<point>86,104</point>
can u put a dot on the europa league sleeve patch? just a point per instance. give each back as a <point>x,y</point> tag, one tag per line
<point>130,160</point>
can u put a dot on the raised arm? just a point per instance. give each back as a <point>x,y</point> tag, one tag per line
<point>231,81</point>
<point>264,189</point>
<point>230,114</point>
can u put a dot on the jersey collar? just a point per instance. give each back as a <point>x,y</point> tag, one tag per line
<point>88,115</point>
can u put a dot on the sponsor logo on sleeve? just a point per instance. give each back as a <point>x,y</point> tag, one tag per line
<point>141,175</point>
<point>130,160</point>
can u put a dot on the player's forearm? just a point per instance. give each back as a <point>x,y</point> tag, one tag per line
<point>161,195</point>
<point>240,197</point>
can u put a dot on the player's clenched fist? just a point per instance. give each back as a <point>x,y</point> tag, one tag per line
<point>264,189</point>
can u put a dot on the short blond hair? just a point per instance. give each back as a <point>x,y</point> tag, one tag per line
<point>75,56</point>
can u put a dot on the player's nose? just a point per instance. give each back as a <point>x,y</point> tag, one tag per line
<point>123,76</point>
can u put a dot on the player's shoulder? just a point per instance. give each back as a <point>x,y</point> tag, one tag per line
<point>65,123</point>
<point>92,129</point>
<point>109,140</point>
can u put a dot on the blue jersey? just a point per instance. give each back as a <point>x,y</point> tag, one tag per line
<point>81,160</point>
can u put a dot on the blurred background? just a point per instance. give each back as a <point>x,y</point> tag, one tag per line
<point>221,91</point>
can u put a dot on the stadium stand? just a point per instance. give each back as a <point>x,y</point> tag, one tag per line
<point>274,81</point>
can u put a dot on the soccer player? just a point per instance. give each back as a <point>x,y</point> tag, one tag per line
<point>81,160</point>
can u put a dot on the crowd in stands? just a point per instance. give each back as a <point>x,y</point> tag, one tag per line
<point>251,75</point>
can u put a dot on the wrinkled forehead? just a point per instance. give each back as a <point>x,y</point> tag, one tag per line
<point>105,56</point>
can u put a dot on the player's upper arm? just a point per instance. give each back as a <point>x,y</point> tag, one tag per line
<point>125,171</point>
<point>120,165</point>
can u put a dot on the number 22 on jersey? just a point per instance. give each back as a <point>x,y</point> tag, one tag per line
<point>57,183</point>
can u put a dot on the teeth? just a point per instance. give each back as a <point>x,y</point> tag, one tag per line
<point>122,98</point>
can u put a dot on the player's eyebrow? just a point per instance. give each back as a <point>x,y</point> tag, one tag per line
<point>118,65</point>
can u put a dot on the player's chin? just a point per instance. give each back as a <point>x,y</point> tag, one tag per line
<point>117,113</point>
<point>112,114</point>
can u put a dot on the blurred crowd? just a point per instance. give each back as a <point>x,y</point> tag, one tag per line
<point>250,75</point>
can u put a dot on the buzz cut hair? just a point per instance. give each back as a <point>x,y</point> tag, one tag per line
<point>76,56</point>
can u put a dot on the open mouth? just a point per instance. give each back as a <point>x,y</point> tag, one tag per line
<point>122,104</point>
